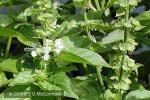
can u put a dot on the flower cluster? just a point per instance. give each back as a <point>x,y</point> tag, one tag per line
<point>44,51</point>
<point>83,3</point>
<point>46,19</point>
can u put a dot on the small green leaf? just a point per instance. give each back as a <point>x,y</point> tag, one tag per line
<point>23,78</point>
<point>11,65</point>
<point>138,95</point>
<point>120,12</point>
<point>5,20</point>
<point>81,55</point>
<point>110,3</point>
<point>114,36</point>
<point>112,96</point>
<point>3,78</point>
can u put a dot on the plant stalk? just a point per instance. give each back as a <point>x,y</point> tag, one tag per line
<point>8,48</point>
<point>10,38</point>
<point>87,27</point>
<point>44,41</point>
<point>98,69</point>
<point>126,35</point>
<point>97,4</point>
<point>102,4</point>
<point>86,68</point>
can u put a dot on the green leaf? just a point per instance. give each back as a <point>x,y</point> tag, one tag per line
<point>5,20</point>
<point>23,78</point>
<point>112,96</point>
<point>20,89</point>
<point>87,88</point>
<point>143,16</point>
<point>110,3</point>
<point>3,1</point>
<point>138,95</point>
<point>58,81</point>
<point>84,85</point>
<point>136,86</point>
<point>3,79</point>
<point>114,36</point>
<point>81,55</point>
<point>8,32</point>
<point>96,96</point>
<point>65,69</point>
<point>75,41</point>
<point>25,39</point>
<point>62,63</point>
<point>11,65</point>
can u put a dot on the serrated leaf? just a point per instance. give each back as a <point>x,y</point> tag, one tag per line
<point>138,95</point>
<point>114,36</point>
<point>23,78</point>
<point>11,65</point>
<point>81,55</point>
<point>59,81</point>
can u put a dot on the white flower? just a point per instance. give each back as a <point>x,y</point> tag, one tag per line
<point>55,25</point>
<point>46,50</point>
<point>34,45</point>
<point>46,57</point>
<point>58,45</point>
<point>57,51</point>
<point>55,5</point>
<point>33,53</point>
<point>58,42</point>
<point>48,42</point>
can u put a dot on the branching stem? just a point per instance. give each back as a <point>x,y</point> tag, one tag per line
<point>126,35</point>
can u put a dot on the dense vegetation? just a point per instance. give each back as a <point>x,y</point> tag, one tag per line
<point>85,49</point>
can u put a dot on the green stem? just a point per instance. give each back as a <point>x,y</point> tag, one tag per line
<point>10,38</point>
<point>44,41</point>
<point>102,4</point>
<point>10,5</point>
<point>98,69</point>
<point>87,27</point>
<point>8,48</point>
<point>97,4</point>
<point>126,35</point>
<point>86,69</point>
